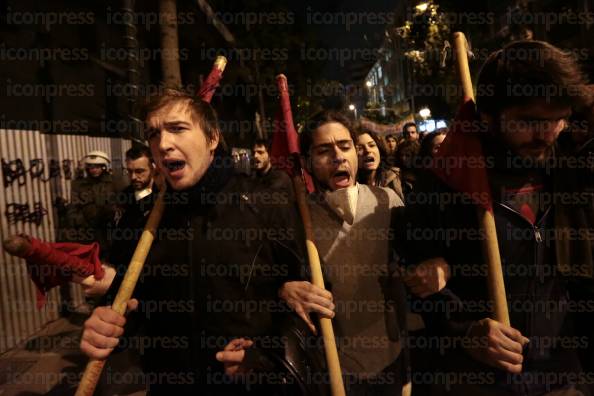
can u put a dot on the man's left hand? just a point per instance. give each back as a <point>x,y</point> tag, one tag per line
<point>233,354</point>
<point>428,278</point>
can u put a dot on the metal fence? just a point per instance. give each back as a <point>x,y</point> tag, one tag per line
<point>37,169</point>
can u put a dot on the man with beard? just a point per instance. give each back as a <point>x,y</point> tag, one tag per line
<point>134,205</point>
<point>351,225</point>
<point>137,199</point>
<point>208,294</point>
<point>527,92</point>
<point>140,171</point>
<point>410,132</point>
<point>265,173</point>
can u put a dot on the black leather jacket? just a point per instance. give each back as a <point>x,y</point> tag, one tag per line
<point>221,253</point>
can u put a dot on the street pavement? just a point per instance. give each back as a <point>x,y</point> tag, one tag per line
<point>50,363</point>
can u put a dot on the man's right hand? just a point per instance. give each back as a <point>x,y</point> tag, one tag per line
<point>102,331</point>
<point>304,297</point>
<point>497,345</point>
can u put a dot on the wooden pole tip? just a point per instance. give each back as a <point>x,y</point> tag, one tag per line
<point>221,62</point>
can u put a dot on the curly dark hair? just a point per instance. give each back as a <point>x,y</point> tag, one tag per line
<point>527,70</point>
<point>407,153</point>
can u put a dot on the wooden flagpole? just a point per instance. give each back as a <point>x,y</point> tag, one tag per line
<point>486,220</point>
<point>89,380</point>
<point>336,383</point>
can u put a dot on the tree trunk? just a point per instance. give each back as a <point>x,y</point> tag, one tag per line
<point>264,120</point>
<point>258,121</point>
<point>169,44</point>
<point>133,74</point>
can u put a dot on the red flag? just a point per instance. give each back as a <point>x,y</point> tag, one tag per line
<point>209,86</point>
<point>53,264</point>
<point>284,152</point>
<point>460,162</point>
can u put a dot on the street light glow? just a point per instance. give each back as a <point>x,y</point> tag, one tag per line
<point>422,7</point>
<point>369,84</point>
<point>425,112</point>
<point>351,107</point>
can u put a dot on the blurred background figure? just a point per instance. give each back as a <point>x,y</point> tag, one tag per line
<point>430,144</point>
<point>140,170</point>
<point>92,204</point>
<point>391,147</point>
<point>391,144</point>
<point>410,132</point>
<point>235,157</point>
<point>374,170</point>
<point>266,175</point>
<point>406,156</point>
<point>136,200</point>
<point>262,164</point>
<point>134,205</point>
<point>241,161</point>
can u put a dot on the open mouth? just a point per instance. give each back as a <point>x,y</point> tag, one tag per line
<point>341,179</point>
<point>174,166</point>
<point>368,162</point>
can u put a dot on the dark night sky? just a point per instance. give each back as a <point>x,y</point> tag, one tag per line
<point>359,35</point>
<point>102,34</point>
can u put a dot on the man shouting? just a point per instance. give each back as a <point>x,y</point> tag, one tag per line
<point>207,298</point>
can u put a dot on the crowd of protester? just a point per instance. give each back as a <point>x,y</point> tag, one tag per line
<point>226,301</point>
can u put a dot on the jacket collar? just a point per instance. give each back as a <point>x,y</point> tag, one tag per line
<point>214,180</point>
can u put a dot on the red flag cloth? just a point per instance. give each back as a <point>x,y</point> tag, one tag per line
<point>285,141</point>
<point>460,162</point>
<point>209,86</point>
<point>53,264</point>
<point>283,146</point>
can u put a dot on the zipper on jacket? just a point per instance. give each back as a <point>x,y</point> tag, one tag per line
<point>537,234</point>
<point>535,227</point>
<point>538,238</point>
